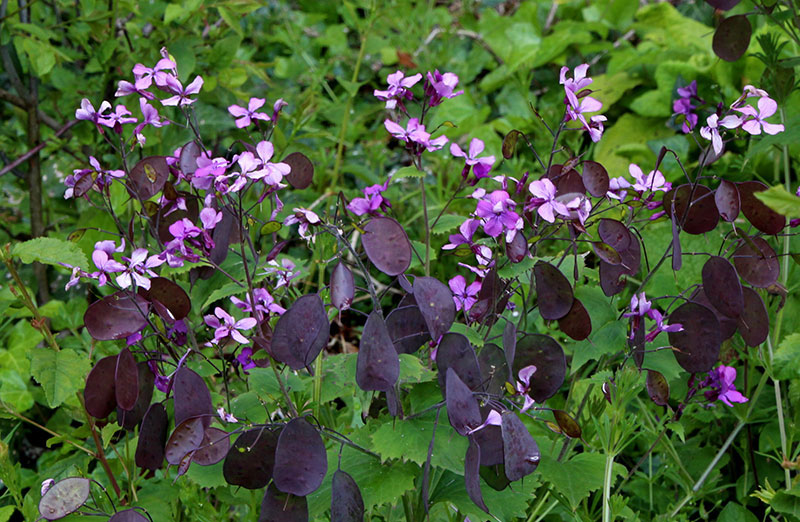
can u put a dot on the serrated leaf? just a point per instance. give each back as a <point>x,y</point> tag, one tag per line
<point>578,477</point>
<point>50,251</point>
<point>61,374</point>
<point>409,441</point>
<point>786,360</point>
<point>781,201</point>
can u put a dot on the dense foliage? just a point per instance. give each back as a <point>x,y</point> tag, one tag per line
<point>399,261</point>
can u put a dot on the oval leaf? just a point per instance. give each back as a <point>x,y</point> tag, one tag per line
<point>462,407</point>
<point>553,291</point>
<point>435,301</point>
<point>129,515</point>
<point>702,215</point>
<point>696,347</point>
<point>188,158</point>
<point>510,143</point>
<point>64,497</point>
<point>517,249</point>
<point>148,177</point>
<point>611,280</point>
<point>171,295</point>
<point>547,355</point>
<point>377,366</point>
<point>567,424</point>
<point>577,324</point>
<point>761,269</point>
<point>342,287</point>
<point>214,447</point>
<point>727,325</point>
<point>454,351</point>
<point>98,395</point>
<point>126,380</point>
<point>761,216</point>
<point>301,332</point>
<point>300,459</point>
<point>722,286</point>
<point>280,507</point>
<point>302,173</point>
<point>657,387</point>
<point>152,438</point>
<point>387,245</point>
<point>191,397</point>
<point>595,178</point>
<point>732,38</point>
<point>727,199</point>
<point>130,419</point>
<point>116,316</point>
<point>472,477</point>
<point>614,234</point>
<point>607,254</point>
<point>251,459</point>
<point>346,502</point>
<point>407,328</point>
<point>754,321</point>
<point>186,438</point>
<point>520,450</point>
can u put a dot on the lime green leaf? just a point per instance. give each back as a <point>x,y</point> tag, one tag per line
<point>475,339</point>
<point>107,433</point>
<point>173,12</point>
<point>207,476</point>
<point>412,369</point>
<point>781,201</point>
<point>578,477</point>
<point>14,392</point>
<point>786,361</point>
<point>446,223</point>
<point>61,374</point>
<point>787,502</point>
<point>409,441</point>
<point>6,512</point>
<point>50,251</point>
<point>408,172</point>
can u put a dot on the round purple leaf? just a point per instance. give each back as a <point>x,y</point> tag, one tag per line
<point>64,497</point>
<point>577,324</point>
<point>696,347</point>
<point>553,291</point>
<point>129,515</point>
<point>98,395</point>
<point>761,269</point>
<point>282,507</point>
<point>754,321</point>
<point>454,351</point>
<point>732,38</point>
<point>657,387</point>
<point>251,459</point>
<point>462,407</point>
<point>520,450</point>
<point>301,332</point>
<point>131,418</point>
<point>300,459</point>
<point>595,178</point>
<point>722,286</point>
<point>727,199</point>
<point>614,234</point>
<point>191,397</point>
<point>547,355</point>
<point>186,438</point>
<point>377,366</point>
<point>152,437</point>
<point>472,477</point>
<point>702,215</point>
<point>435,301</point>
<point>126,380</point>
<point>342,287</point>
<point>116,316</point>
<point>302,173</point>
<point>346,502</point>
<point>171,296</point>
<point>407,328</point>
<point>213,448</point>
<point>761,216</point>
<point>148,177</point>
<point>387,245</point>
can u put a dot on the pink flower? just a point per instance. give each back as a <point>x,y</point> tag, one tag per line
<point>523,386</point>
<point>480,166</point>
<point>271,173</point>
<point>654,181</point>
<point>398,88</point>
<point>87,112</point>
<point>544,200</point>
<point>139,265</point>
<point>245,116</point>
<point>264,302</point>
<point>464,237</point>
<point>498,214</point>
<point>372,202</point>
<point>245,360</point>
<point>439,86</point>
<point>182,94</point>
<point>225,416</point>
<point>753,125</point>
<point>226,326</point>
<point>106,265</point>
<point>464,296</point>
<point>660,326</point>
<point>492,419</point>
<point>722,386</point>
<point>711,131</point>
<point>116,119</point>
<point>305,218</point>
<point>150,117</point>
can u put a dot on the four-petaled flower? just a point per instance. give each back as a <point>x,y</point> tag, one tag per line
<point>722,387</point>
<point>87,112</point>
<point>464,237</point>
<point>181,98</point>
<point>139,266</point>
<point>226,326</point>
<point>497,211</point>
<point>245,116</point>
<point>439,86</point>
<point>415,133</point>
<point>755,122</point>
<point>464,296</point>
<point>523,386</point>
<point>711,131</point>
<point>305,218</point>
<point>372,202</point>
<point>480,165</point>
<point>264,302</point>
<point>399,88</point>
<point>544,200</point>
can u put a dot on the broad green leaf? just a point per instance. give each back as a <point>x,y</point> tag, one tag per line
<point>786,360</point>
<point>736,513</point>
<point>107,433</point>
<point>579,476</point>
<point>6,512</point>
<point>412,369</point>
<point>14,391</point>
<point>505,505</point>
<point>446,223</point>
<point>61,374</point>
<point>616,151</point>
<point>475,339</point>
<point>232,22</point>
<point>608,339</point>
<point>50,251</point>
<point>787,502</point>
<point>611,88</point>
<point>174,12</point>
<point>207,476</point>
<point>781,201</point>
<point>409,441</point>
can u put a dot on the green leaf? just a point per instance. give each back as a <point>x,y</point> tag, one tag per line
<point>578,477</point>
<point>173,12</point>
<point>207,476</point>
<point>14,392</point>
<point>412,369</point>
<point>107,433</point>
<point>475,339</point>
<point>61,374</point>
<point>786,360</point>
<point>787,502</point>
<point>446,223</point>
<point>781,201</point>
<point>736,513</point>
<point>408,172</point>
<point>6,512</point>
<point>502,504</point>
<point>50,251</point>
<point>232,22</point>
<point>409,441</point>
<point>610,338</point>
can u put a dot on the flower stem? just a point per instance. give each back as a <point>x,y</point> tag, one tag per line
<point>427,228</point>
<point>607,479</point>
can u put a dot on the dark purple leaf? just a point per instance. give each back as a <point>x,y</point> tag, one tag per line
<point>435,301</point>
<point>636,344</point>
<point>607,254</point>
<point>510,143</point>
<point>490,439</point>
<point>510,345</point>
<point>489,297</point>
<point>171,295</point>
<point>116,316</point>
<point>517,249</point>
<point>98,395</point>
<point>554,293</point>
<point>407,328</point>
<point>454,351</point>
<point>280,507</point>
<point>214,447</point>
<point>346,502</point>
<point>462,407</point>
<point>727,199</point>
<point>567,424</point>
<point>148,177</point>
<point>301,332</point>
<point>83,185</point>
<point>566,180</point>
<point>611,280</point>
<point>191,397</point>
<point>130,419</point>
<point>472,478</point>
<point>614,234</point>
<point>760,269</point>
<point>251,459</point>
<point>723,5</point>
<point>547,355</point>
<point>64,497</point>
<point>129,515</point>
<point>722,286</point>
<point>696,347</point>
<point>378,366</point>
<point>302,173</point>
<point>761,216</point>
<point>126,380</point>
<point>300,459</point>
<point>494,369</point>
<point>520,450</point>
<point>702,216</point>
<point>727,325</point>
<point>657,388</point>
<point>577,324</point>
<point>495,476</point>
<point>754,321</point>
<point>677,251</point>
<point>152,438</point>
<point>595,178</point>
<point>393,403</point>
<point>387,245</point>
<point>186,438</point>
<point>342,287</point>
<point>732,38</point>
<point>188,158</point>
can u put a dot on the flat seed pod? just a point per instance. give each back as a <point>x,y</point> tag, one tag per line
<point>760,269</point>
<point>387,245</point>
<point>148,177</point>
<point>761,216</point>
<point>494,369</point>
<point>462,408</point>
<point>495,477</point>
<point>64,497</point>
<point>251,459</point>
<point>472,477</point>
<point>186,438</point>
<point>489,296</point>
<point>566,180</point>
<point>727,325</point>
<point>614,234</point>
<point>129,515</point>
<point>696,347</point>
<point>407,328</point>
<point>577,324</point>
<point>510,143</point>
<point>300,459</point>
<point>723,5</point>
<point>722,286</point>
<point>636,344</point>
<point>702,216</point>
<point>517,249</point>
<point>98,395</point>
<point>611,280</point>
<point>126,380</point>
<point>301,332</point>
<point>520,450</point>
<point>343,287</point>
<point>435,301</point>
<point>280,507</point>
<point>152,437</point>
<point>553,291</point>
<point>346,502</point>
<point>191,397</point>
<point>677,251</point>
<point>754,321</point>
<point>116,316</point>
<point>490,439</point>
<point>732,38</point>
<point>302,173</point>
<point>727,199</point>
<point>455,352</point>
<point>657,387</point>
<point>595,178</point>
<point>607,254</point>
<point>171,295</point>
<point>547,355</point>
<point>188,158</point>
<point>129,419</point>
<point>567,424</point>
<point>377,366</point>
<point>214,447</point>
<point>82,185</point>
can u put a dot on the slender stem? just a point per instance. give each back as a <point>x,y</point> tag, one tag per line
<point>781,422</point>
<point>100,454</point>
<point>427,228</point>
<point>48,430</point>
<point>607,487</point>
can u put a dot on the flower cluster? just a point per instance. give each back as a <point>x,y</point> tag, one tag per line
<point>579,102</point>
<point>640,308</point>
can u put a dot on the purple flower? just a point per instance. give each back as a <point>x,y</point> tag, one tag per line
<point>276,110</point>
<point>722,386</point>
<point>225,416</point>
<point>414,132</point>
<point>544,200</point>
<point>753,125</point>
<point>271,173</point>
<point>181,97</point>
<point>285,271</point>
<point>245,116</point>
<point>578,207</point>
<point>106,265</point>
<point>116,119</point>
<point>264,302</point>
<point>690,91</point>
<point>139,265</point>
<point>579,81</point>
<point>399,88</point>
<point>492,419</point>
<point>208,170</point>
<point>483,255</point>
<point>654,181</point>
<point>656,316</point>
<point>144,75</point>
<point>245,360</point>
<point>125,88</point>
<point>440,86</point>
<point>161,381</point>
<point>226,326</point>
<point>711,131</point>
<point>464,296</point>
<point>640,306</point>
<point>464,237</point>
<point>87,112</point>
<point>150,117</point>
<point>523,386</point>
<point>577,105</point>
<point>305,218</point>
<point>372,202</point>
<point>498,213</point>
<point>480,166</point>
